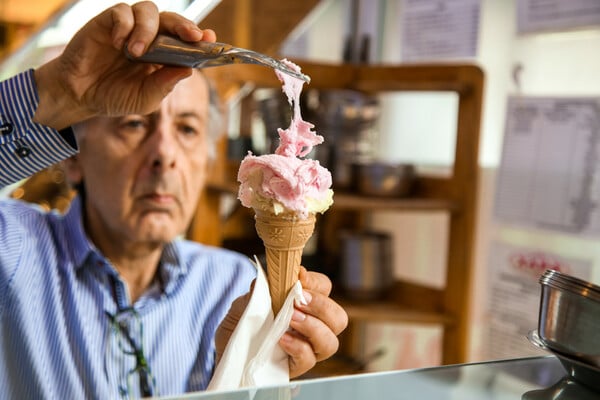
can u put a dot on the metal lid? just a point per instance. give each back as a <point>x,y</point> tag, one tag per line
<point>559,280</point>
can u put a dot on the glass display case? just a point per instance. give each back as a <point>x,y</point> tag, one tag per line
<point>538,378</point>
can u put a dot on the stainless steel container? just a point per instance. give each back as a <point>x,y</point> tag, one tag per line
<point>366,264</point>
<point>383,179</point>
<point>346,118</point>
<point>569,316</point>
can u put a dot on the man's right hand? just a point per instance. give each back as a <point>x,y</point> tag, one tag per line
<point>94,77</point>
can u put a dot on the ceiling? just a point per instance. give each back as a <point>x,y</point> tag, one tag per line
<point>19,19</point>
<point>261,25</point>
<point>29,12</point>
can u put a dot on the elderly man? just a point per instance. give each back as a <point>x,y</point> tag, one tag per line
<point>105,301</point>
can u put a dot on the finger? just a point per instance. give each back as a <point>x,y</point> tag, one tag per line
<point>146,19</point>
<point>239,305</point>
<point>182,27</point>
<point>323,341</point>
<point>230,322</point>
<point>236,311</point>
<point>209,35</point>
<point>160,83</point>
<point>325,309</point>
<point>302,358</point>
<point>119,20</point>
<point>315,281</point>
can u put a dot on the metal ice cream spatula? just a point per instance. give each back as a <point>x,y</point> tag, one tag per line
<point>168,50</point>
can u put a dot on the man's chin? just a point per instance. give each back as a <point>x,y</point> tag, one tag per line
<point>158,233</point>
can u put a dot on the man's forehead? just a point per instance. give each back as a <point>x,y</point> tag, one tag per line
<point>197,80</point>
<point>192,91</point>
<point>191,95</point>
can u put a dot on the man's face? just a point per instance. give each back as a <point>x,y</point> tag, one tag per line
<point>143,173</point>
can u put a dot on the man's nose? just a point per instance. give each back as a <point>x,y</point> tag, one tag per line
<point>164,146</point>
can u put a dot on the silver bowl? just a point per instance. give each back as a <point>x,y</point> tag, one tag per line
<point>569,316</point>
<point>582,372</point>
<point>383,179</point>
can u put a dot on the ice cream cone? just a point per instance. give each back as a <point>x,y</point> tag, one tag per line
<point>284,237</point>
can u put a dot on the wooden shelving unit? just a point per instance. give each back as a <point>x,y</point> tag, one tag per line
<point>455,195</point>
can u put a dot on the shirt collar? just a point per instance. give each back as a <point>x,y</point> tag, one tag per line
<point>80,245</point>
<point>172,266</point>
<point>83,250</point>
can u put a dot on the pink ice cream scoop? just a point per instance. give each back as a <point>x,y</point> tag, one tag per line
<point>285,181</point>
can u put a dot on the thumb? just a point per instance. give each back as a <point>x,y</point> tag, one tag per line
<point>164,79</point>
<point>230,322</point>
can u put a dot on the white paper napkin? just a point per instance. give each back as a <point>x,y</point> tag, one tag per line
<point>253,356</point>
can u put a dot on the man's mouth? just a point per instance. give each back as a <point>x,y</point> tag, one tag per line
<point>160,199</point>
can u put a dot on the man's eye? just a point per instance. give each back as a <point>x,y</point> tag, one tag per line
<point>134,124</point>
<point>189,130</point>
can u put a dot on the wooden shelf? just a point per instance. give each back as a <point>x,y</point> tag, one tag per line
<point>390,311</point>
<point>357,202</point>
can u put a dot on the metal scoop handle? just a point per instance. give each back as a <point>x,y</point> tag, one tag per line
<point>168,50</point>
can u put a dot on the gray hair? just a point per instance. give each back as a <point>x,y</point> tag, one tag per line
<point>214,124</point>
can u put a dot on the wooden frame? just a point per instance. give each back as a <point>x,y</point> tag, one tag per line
<point>456,194</point>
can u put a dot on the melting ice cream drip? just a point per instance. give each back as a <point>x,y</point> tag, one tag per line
<point>299,139</point>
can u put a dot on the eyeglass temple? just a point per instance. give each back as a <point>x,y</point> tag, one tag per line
<point>145,387</point>
<point>142,366</point>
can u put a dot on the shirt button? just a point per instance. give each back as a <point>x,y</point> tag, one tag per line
<point>6,128</point>
<point>23,151</point>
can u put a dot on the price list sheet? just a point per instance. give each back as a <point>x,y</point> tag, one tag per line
<point>439,29</point>
<point>549,176</point>
<point>556,15</point>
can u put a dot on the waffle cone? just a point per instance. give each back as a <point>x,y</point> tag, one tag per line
<point>284,237</point>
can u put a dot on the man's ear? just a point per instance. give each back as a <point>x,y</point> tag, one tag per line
<point>73,171</point>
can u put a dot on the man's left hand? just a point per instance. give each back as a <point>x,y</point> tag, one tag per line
<point>315,326</point>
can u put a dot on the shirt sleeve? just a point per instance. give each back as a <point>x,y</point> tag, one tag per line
<point>25,146</point>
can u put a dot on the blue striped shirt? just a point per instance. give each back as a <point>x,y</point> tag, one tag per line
<point>25,147</point>
<point>57,290</point>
